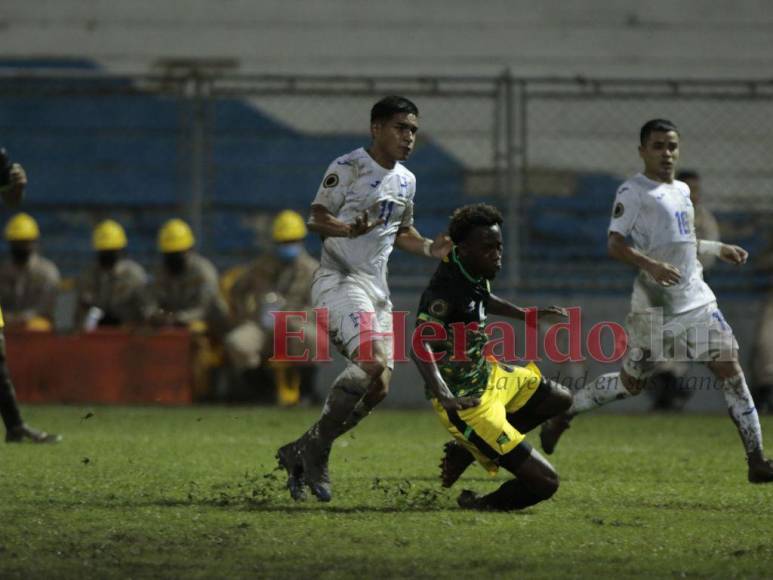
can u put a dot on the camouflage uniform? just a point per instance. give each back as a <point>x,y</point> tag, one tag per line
<point>29,292</point>
<point>193,295</point>
<point>120,293</point>
<point>268,284</point>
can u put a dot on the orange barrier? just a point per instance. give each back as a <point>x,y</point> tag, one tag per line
<point>105,366</point>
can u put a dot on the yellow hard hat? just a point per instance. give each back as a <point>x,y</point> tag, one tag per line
<point>108,235</point>
<point>175,236</point>
<point>289,227</point>
<point>22,228</point>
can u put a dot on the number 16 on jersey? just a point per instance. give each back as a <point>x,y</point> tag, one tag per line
<point>682,222</point>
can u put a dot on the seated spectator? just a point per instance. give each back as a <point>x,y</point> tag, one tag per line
<point>112,291</point>
<point>28,281</point>
<point>279,280</point>
<point>185,292</point>
<point>185,289</point>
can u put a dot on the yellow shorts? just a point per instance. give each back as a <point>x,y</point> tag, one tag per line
<point>484,430</point>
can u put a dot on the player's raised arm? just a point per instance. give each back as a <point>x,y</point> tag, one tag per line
<point>664,273</point>
<point>726,252</point>
<point>323,222</point>
<point>410,240</point>
<point>502,307</point>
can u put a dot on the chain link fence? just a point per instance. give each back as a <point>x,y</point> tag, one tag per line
<point>227,152</point>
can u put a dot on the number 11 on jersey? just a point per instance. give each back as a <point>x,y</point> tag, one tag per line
<point>386,210</point>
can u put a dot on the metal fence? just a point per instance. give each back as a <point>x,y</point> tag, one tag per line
<point>227,151</point>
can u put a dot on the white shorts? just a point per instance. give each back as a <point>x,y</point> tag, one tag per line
<point>347,304</point>
<point>699,335</point>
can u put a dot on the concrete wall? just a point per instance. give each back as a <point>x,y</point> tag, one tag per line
<point>691,38</point>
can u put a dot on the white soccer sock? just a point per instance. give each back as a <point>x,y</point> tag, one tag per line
<point>602,390</point>
<point>743,412</point>
<point>346,391</point>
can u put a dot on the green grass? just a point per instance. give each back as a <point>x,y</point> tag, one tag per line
<point>146,492</point>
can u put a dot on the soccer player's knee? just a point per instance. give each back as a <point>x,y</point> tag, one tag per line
<point>375,368</point>
<point>353,381</point>
<point>561,397</point>
<point>549,485</point>
<point>380,388</point>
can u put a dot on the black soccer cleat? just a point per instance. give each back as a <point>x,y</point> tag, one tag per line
<point>24,433</point>
<point>315,458</point>
<point>469,500</point>
<point>289,458</point>
<point>456,458</point>
<point>760,471</point>
<point>551,432</point>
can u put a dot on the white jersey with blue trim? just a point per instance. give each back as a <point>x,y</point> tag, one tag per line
<point>659,218</point>
<point>355,183</point>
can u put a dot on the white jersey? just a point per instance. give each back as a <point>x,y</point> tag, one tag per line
<point>659,217</point>
<point>355,183</point>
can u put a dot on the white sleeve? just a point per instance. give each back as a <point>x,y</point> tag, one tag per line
<point>332,191</point>
<point>407,219</point>
<point>625,210</point>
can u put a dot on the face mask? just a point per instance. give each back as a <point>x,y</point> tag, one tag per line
<point>107,260</point>
<point>20,254</point>
<point>288,252</point>
<point>174,262</point>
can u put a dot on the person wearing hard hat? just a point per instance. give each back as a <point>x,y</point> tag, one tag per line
<point>279,280</point>
<point>112,291</point>
<point>28,281</point>
<point>13,181</point>
<point>185,290</point>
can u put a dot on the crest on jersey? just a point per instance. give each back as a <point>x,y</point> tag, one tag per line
<point>618,211</point>
<point>331,180</point>
<point>438,308</point>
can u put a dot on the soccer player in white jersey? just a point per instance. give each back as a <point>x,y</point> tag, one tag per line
<point>363,208</point>
<point>674,313</point>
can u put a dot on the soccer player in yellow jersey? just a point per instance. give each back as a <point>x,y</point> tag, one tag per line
<point>13,180</point>
<point>487,406</point>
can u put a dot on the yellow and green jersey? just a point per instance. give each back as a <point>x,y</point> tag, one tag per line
<point>455,300</point>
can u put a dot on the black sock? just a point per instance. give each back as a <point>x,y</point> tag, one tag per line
<point>9,409</point>
<point>511,495</point>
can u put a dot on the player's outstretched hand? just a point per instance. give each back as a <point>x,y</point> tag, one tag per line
<point>441,246</point>
<point>553,312</point>
<point>664,273</point>
<point>733,254</point>
<point>459,403</point>
<point>362,225</point>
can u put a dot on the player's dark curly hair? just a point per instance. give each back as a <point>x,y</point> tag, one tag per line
<point>656,126</point>
<point>392,105</point>
<point>469,217</point>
